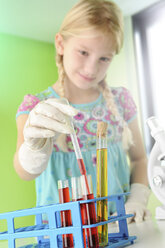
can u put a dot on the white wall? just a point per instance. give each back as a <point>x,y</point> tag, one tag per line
<point>122,71</point>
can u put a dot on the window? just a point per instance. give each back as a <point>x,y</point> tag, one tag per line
<point>149,38</point>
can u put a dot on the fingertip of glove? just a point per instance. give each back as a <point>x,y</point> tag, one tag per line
<point>72,111</point>
<point>67,130</point>
<point>138,219</point>
<point>148,216</point>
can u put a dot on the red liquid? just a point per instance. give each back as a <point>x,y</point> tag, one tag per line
<point>90,218</point>
<point>83,172</point>
<point>66,219</point>
<point>82,218</point>
<point>81,166</point>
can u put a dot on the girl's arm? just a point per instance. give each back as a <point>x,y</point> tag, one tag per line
<point>137,156</point>
<point>138,199</point>
<point>35,135</point>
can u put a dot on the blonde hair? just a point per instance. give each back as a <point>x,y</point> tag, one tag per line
<point>100,15</point>
<point>108,96</point>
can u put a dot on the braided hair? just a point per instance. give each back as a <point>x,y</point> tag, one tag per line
<point>104,16</point>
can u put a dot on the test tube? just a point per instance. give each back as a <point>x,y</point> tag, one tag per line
<point>102,181</point>
<point>79,156</point>
<point>66,220</point>
<point>77,150</point>
<point>77,196</point>
<point>89,212</point>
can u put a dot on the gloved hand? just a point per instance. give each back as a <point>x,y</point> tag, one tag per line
<point>137,203</point>
<point>45,121</point>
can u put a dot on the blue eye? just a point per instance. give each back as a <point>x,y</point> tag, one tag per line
<point>104,59</point>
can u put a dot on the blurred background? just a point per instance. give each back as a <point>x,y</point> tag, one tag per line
<point>27,65</point>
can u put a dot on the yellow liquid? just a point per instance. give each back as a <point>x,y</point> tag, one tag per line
<point>102,190</point>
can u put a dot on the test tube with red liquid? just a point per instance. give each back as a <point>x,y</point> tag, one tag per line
<point>79,157</point>
<point>89,212</point>
<point>66,220</point>
<point>77,149</point>
<point>77,196</point>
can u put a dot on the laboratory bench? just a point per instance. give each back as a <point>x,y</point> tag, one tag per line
<point>150,234</point>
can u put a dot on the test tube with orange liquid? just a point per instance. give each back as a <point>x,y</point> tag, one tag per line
<point>77,196</point>
<point>89,212</point>
<point>66,220</point>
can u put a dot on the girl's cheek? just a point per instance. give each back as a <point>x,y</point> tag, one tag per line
<point>104,67</point>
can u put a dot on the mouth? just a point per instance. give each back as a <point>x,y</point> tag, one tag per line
<point>87,78</point>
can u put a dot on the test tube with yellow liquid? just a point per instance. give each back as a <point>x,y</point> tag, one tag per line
<point>102,182</point>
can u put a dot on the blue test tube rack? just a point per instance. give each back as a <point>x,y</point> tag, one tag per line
<point>54,231</point>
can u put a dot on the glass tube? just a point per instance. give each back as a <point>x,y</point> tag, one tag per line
<point>102,182</point>
<point>89,212</point>
<point>76,147</point>
<point>66,220</point>
<point>77,196</point>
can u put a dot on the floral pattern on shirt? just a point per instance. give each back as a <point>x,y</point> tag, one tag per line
<point>85,121</point>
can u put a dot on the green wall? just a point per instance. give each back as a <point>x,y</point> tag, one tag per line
<point>26,66</point>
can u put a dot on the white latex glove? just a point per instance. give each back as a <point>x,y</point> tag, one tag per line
<point>45,121</point>
<point>137,203</point>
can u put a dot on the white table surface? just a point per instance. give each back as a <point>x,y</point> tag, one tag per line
<point>150,234</point>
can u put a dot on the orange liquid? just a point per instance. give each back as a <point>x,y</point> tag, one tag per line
<point>66,219</point>
<point>82,218</point>
<point>90,218</point>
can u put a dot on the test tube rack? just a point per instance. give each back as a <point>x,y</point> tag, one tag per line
<point>54,231</point>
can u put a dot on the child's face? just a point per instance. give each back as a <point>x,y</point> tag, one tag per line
<point>86,59</point>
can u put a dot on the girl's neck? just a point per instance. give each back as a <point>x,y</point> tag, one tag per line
<point>76,95</point>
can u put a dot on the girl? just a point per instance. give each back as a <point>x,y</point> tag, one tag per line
<point>90,36</point>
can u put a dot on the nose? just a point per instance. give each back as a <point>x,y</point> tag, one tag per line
<point>90,67</point>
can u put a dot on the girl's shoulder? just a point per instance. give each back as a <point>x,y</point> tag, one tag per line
<point>119,92</point>
<point>30,101</point>
<point>125,102</point>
